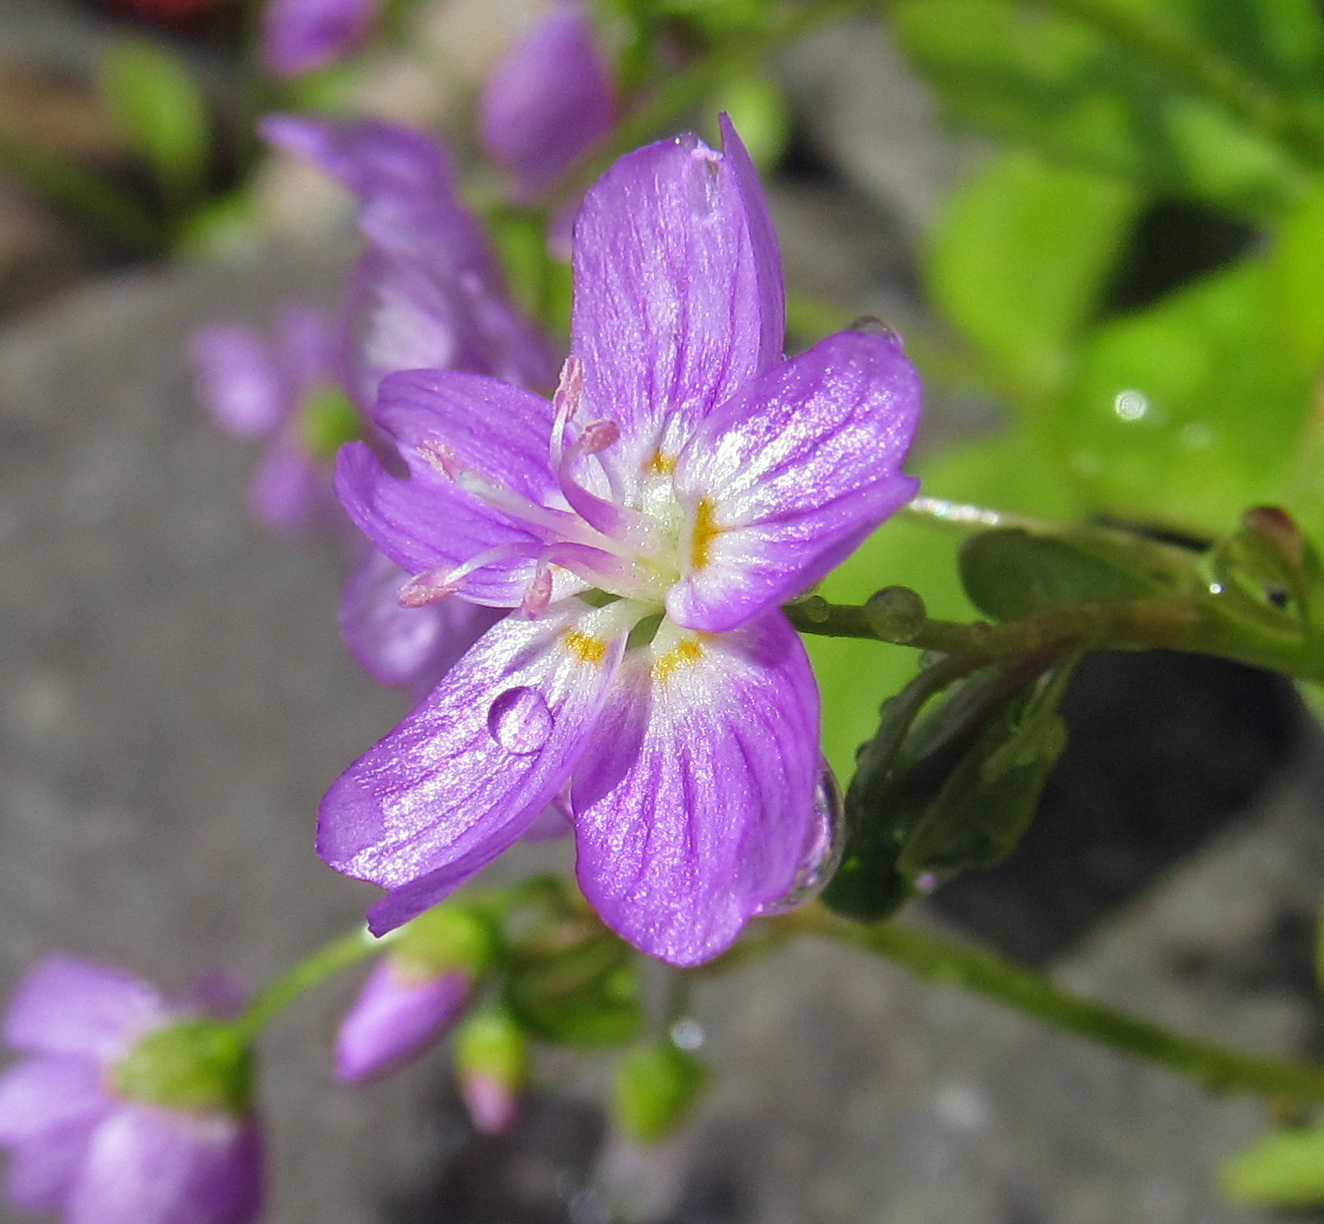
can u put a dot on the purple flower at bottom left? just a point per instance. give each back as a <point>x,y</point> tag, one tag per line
<point>126,1109</point>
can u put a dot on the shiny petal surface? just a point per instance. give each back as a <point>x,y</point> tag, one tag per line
<point>410,648</point>
<point>547,102</point>
<point>693,814</point>
<point>66,1005</point>
<point>791,474</point>
<point>480,759</point>
<point>446,422</point>
<point>678,298</point>
<point>394,1019</point>
<point>301,35</point>
<point>238,379</point>
<point>156,1166</point>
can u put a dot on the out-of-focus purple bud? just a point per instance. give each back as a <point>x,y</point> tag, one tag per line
<point>301,35</point>
<point>396,1018</point>
<point>548,102</point>
<point>416,994</point>
<point>125,1110</point>
<point>492,1063</point>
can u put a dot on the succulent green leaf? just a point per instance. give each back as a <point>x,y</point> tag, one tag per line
<point>1186,413</point>
<point>1057,84</point>
<point>584,994</point>
<point>987,802</point>
<point>1011,573</point>
<point>1284,1169</point>
<point>1296,287</point>
<point>1019,260</point>
<point>158,102</point>
<point>951,780</point>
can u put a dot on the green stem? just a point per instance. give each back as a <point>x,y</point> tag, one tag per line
<point>1177,622</point>
<point>1154,38</point>
<point>950,962</point>
<point>313,970</point>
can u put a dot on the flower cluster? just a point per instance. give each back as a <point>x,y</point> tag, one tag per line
<point>643,526</point>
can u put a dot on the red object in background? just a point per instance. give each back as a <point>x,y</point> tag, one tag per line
<point>178,14</point>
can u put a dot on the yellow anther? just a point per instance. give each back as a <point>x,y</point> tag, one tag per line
<point>660,464</point>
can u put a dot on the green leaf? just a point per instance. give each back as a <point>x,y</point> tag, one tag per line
<point>1296,286</point>
<point>949,780</point>
<point>987,802</point>
<point>1011,573</point>
<point>586,994</point>
<point>1284,1169</point>
<point>156,100</point>
<point>1187,413</point>
<point>1019,259</point>
<point>1056,84</point>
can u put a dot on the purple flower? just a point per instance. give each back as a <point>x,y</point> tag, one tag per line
<point>415,995</point>
<point>548,102</point>
<point>283,389</point>
<point>83,1142</point>
<point>397,1016</point>
<point>648,523</point>
<point>300,35</point>
<point>427,293</point>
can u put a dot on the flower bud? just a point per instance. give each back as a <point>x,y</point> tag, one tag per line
<point>415,995</point>
<point>656,1085</point>
<point>492,1062</point>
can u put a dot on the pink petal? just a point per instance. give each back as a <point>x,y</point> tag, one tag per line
<point>395,1019</point>
<point>788,477</point>
<point>66,1005</point>
<point>468,771</point>
<point>238,379</point>
<point>694,812</point>
<point>548,101</point>
<point>405,647</point>
<point>678,293</point>
<point>148,1165</point>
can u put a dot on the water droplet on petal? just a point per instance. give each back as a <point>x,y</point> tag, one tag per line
<point>824,841</point>
<point>519,720</point>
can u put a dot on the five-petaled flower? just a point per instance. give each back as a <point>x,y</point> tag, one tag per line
<point>646,525</point>
<point>126,1109</point>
